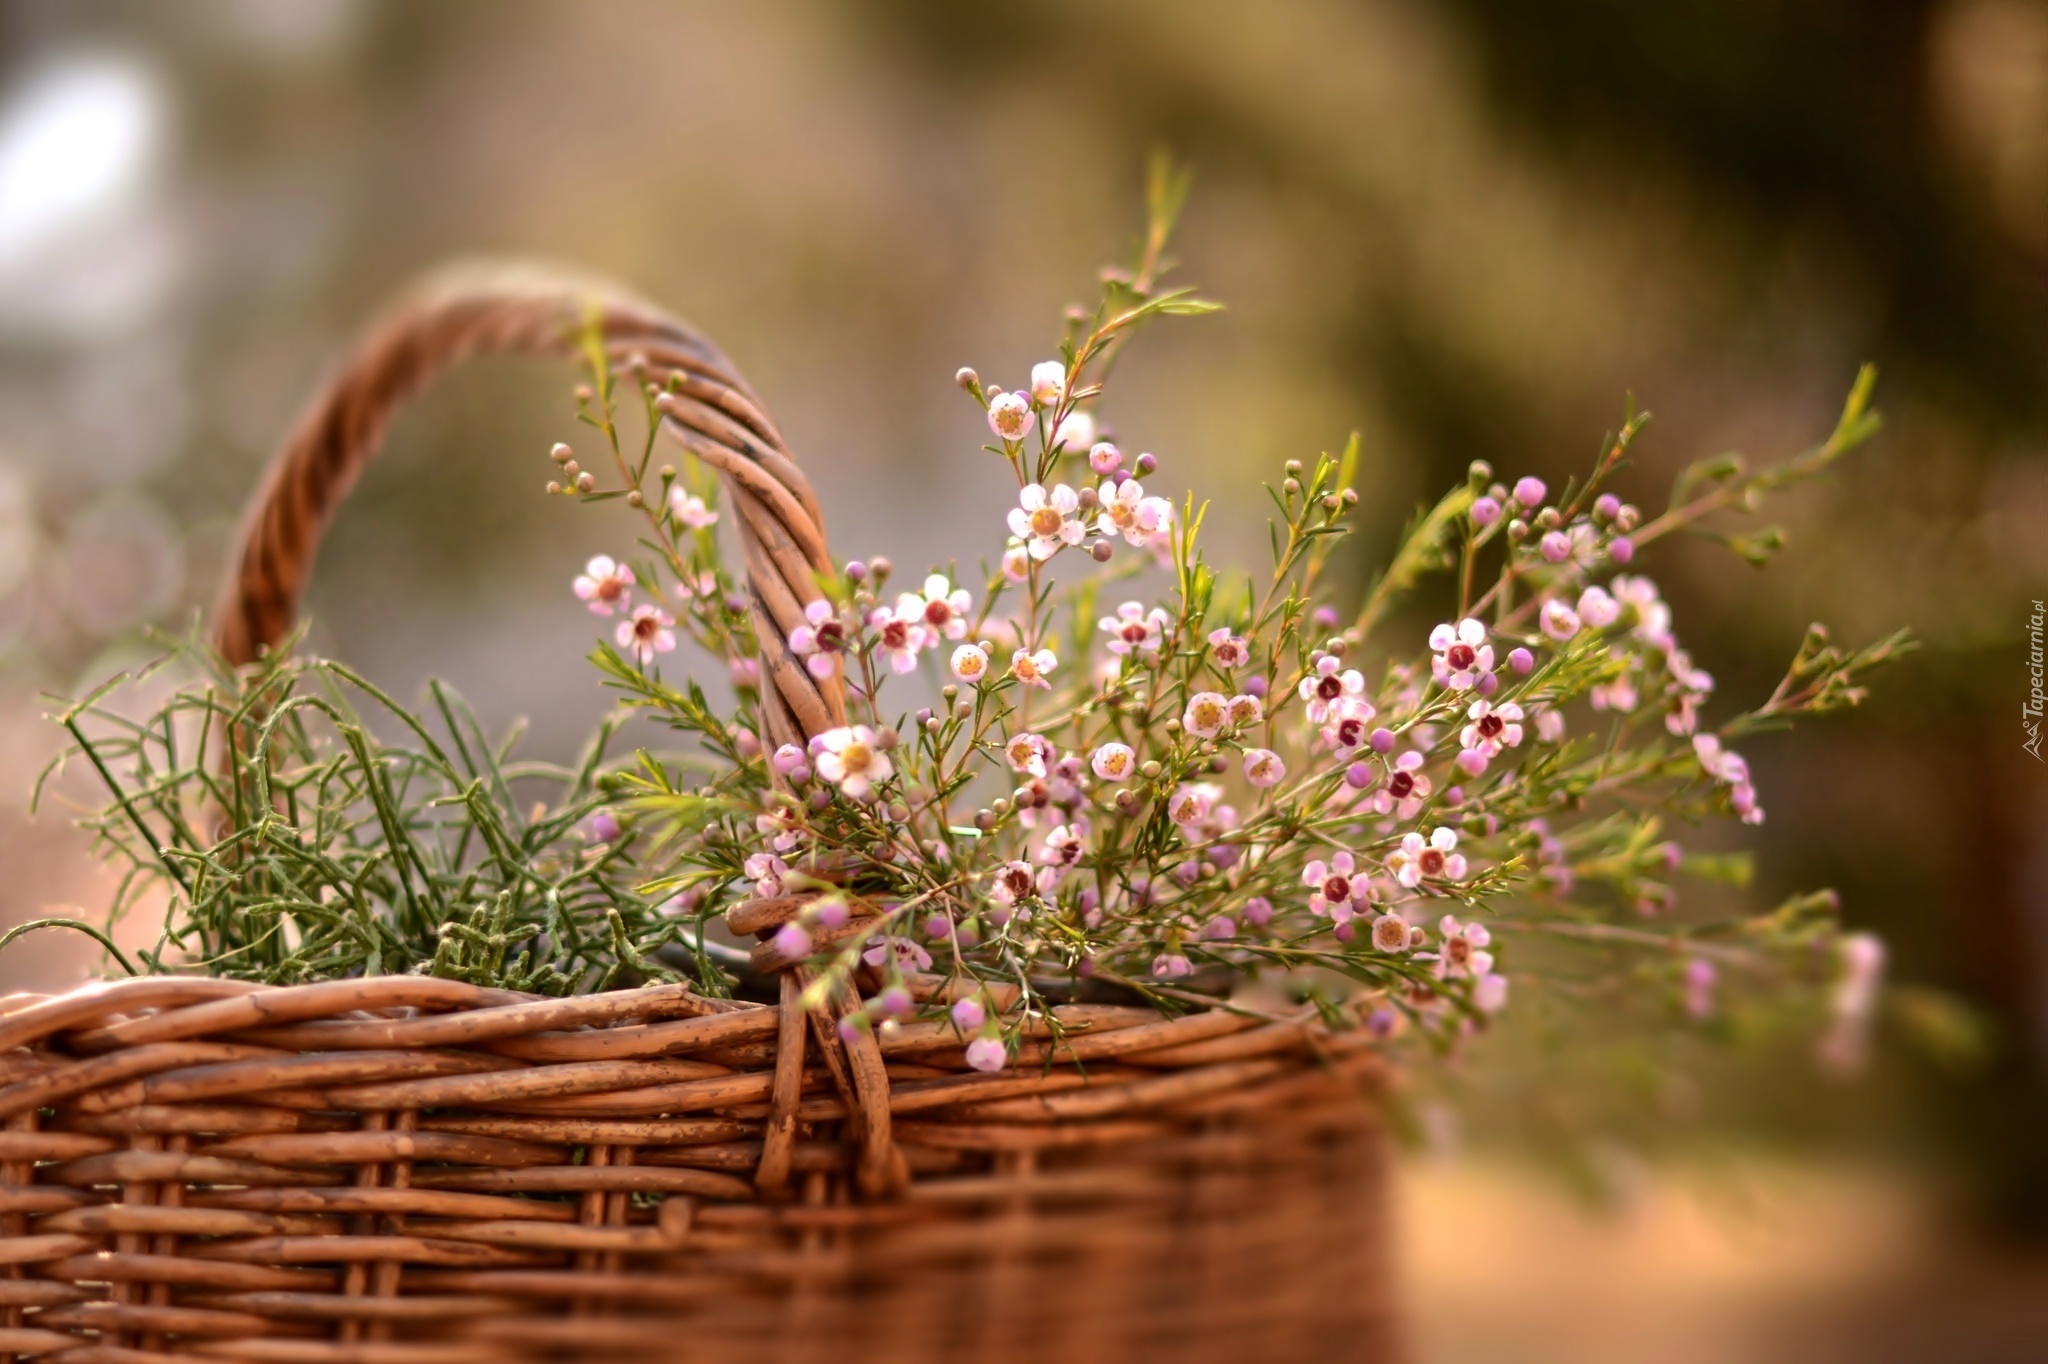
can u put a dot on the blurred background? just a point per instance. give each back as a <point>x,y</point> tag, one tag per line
<point>1468,229</point>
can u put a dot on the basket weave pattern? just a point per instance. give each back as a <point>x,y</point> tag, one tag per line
<point>404,1170</point>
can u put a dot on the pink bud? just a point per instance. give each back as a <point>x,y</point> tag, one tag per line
<point>792,941</point>
<point>1622,550</point>
<point>1529,492</point>
<point>1358,776</point>
<point>1472,762</point>
<point>1258,911</point>
<point>1485,512</point>
<point>968,1014</point>
<point>1383,740</point>
<point>1522,661</point>
<point>1556,547</point>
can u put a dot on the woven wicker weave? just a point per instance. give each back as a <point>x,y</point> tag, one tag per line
<point>405,1169</point>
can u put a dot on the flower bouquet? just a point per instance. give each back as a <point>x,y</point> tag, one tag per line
<point>1025,935</point>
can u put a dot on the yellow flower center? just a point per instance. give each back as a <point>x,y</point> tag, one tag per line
<point>856,756</point>
<point>1047,521</point>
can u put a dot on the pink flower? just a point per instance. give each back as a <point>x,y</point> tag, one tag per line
<point>1559,621</point>
<point>852,759</point>
<point>820,639</point>
<point>1390,933</point>
<point>899,636</point>
<point>1114,762</point>
<point>1406,788</point>
<point>1133,630</point>
<point>1171,966</point>
<point>1416,861</point>
<point>792,941</point>
<point>1699,988</point>
<point>970,664</point>
<point>1126,511</point>
<point>606,585</point>
<point>904,953</point>
<point>650,631</point>
<point>767,871</point>
<point>1490,993</point>
<point>942,607</point>
<point>1206,712</point>
<point>1244,710</point>
<point>1030,753</point>
<point>1325,686</point>
<point>1550,724</point>
<point>1010,417</point>
<point>1732,771</point>
<point>1011,882</point>
<point>967,1014</point>
<point>1046,521</point>
<point>1345,726</point>
<point>689,510</point>
<point>1227,650</point>
<point>1492,728</point>
<point>1597,609</point>
<point>1462,654</point>
<point>1033,669</point>
<point>1048,382</point>
<point>1464,951</point>
<point>987,1054</point>
<point>1335,888</point>
<point>1191,804</point>
<point>1263,767</point>
<point>1076,433</point>
<point>1017,562</point>
<point>1105,460</point>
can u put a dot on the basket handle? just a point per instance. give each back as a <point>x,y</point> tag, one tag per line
<point>705,406</point>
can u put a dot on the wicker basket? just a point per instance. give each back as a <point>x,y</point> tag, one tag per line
<point>406,1169</point>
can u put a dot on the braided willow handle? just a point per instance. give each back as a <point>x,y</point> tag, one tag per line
<point>705,405</point>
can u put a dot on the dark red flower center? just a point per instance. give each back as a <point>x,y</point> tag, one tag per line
<point>1491,725</point>
<point>1432,862</point>
<point>938,613</point>
<point>1461,656</point>
<point>1337,888</point>
<point>1329,688</point>
<point>1401,786</point>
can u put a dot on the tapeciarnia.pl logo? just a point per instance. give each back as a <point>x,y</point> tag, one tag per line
<point>2030,713</point>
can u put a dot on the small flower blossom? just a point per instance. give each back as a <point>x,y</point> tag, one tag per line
<point>1263,767</point>
<point>1057,855</point>
<point>899,637</point>
<point>1550,724</point>
<point>1134,630</point>
<point>606,585</point>
<point>967,1014</point>
<point>820,639</point>
<point>1492,728</point>
<point>1227,650</point>
<point>1033,669</point>
<point>1490,993</point>
<point>987,1054</point>
<point>1030,753</point>
<point>1597,609</point>
<point>1192,804</point>
<point>1010,417</point>
<point>1114,762</point>
<point>1406,788</point>
<point>1390,933</point>
<point>649,631</point>
<point>1126,511</point>
<point>1436,859</point>
<point>1699,989</point>
<point>1732,771</point>
<point>1345,724</point>
<point>1076,433</point>
<point>1046,521</point>
<point>1105,460</point>
<point>904,953</point>
<point>788,760</point>
<point>1013,881</point>
<point>1325,686</point>
<point>1335,888</point>
<point>1559,621</point>
<point>1205,714</point>
<point>970,664</point>
<point>1048,382</point>
<point>852,759</point>
<point>1244,710</point>
<point>1017,562</point>
<point>767,871</point>
<point>941,607</point>
<point>1462,654</point>
<point>689,510</point>
<point>1464,951</point>
<point>1171,966</point>
<point>791,940</point>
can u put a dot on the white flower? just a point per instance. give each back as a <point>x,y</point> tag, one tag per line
<point>1046,522</point>
<point>1048,382</point>
<point>1010,416</point>
<point>1559,621</point>
<point>1227,650</point>
<point>1344,725</point>
<point>1406,787</point>
<point>1325,686</point>
<point>1012,882</point>
<point>1206,712</point>
<point>1335,888</point>
<point>605,585</point>
<point>1493,727</point>
<point>1033,669</point>
<point>851,758</point>
<point>767,871</point>
<point>1462,654</point>
<point>1464,952</point>
<point>1190,805</point>
<point>1435,860</point>
<point>1076,433</point>
<point>1114,762</point>
<point>688,509</point>
<point>820,639</point>
<point>1597,609</point>
<point>1126,511</point>
<point>648,632</point>
<point>970,664</point>
<point>1028,753</point>
<point>1263,767</point>
<point>942,607</point>
<point>1390,933</point>
<point>1133,630</point>
<point>987,1054</point>
<point>899,636</point>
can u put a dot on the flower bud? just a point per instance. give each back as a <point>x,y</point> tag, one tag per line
<point>1293,468</point>
<point>886,738</point>
<point>881,568</point>
<point>585,483</point>
<point>1529,492</point>
<point>1521,660</point>
<point>856,571</point>
<point>1622,549</point>
<point>1127,802</point>
<point>1149,769</point>
<point>1292,487</point>
<point>1479,472</point>
<point>984,820</point>
<point>1100,551</point>
<point>1358,776</point>
<point>1087,499</point>
<point>1627,518</point>
<point>1606,506</point>
<point>1547,519</point>
<point>1382,740</point>
<point>967,378</point>
<point>634,499</point>
<point>562,454</point>
<point>1146,464</point>
<point>554,488</point>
